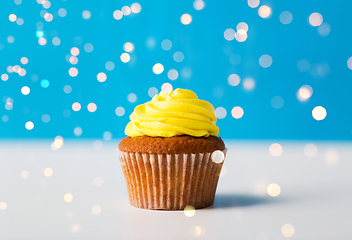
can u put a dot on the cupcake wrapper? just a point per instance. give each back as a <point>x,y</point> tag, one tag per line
<point>170,181</point>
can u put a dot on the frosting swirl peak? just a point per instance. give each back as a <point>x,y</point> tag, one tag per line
<point>179,112</point>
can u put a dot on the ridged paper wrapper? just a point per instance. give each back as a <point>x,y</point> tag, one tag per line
<point>170,181</point>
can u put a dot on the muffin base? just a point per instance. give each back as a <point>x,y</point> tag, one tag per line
<point>170,181</point>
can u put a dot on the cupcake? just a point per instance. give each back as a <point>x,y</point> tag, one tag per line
<point>172,157</point>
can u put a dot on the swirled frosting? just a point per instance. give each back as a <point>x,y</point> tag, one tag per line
<point>179,112</point>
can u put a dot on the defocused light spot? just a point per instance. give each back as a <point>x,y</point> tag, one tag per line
<point>4,77</point>
<point>241,36</point>
<point>186,73</point>
<point>150,42</point>
<point>233,80</point>
<point>349,63</point>
<point>315,19</point>
<point>18,2</point>
<point>73,72</point>
<point>166,44</point>
<point>265,61</point>
<point>287,230</point>
<point>24,60</point>
<point>16,68</point>
<point>25,90</point>
<point>48,17</point>
<point>88,47</point>
<point>3,205</point>
<point>45,118</point>
<point>152,91</point>
<point>198,4</point>
<point>75,228</point>
<point>107,135</point>
<point>220,112</point>
<point>331,157</point>
<point>286,17</point>
<point>86,14</point>
<point>120,111</point>
<point>25,174</point>
<point>42,41</point>
<point>242,26</point>
<point>166,87</point>
<point>186,19</point>
<point>189,211</point>
<point>195,231</point>
<point>131,97</point>
<point>56,41</point>
<point>44,83</point>
<point>22,72</point>
<point>172,74</point>
<point>126,10</point>
<point>117,14</point>
<point>128,47</point>
<point>68,197</point>
<point>10,39</point>
<point>5,118</point>
<point>109,65</point>
<point>76,106</point>
<point>253,3</point>
<point>48,172</point>
<point>277,102</point>
<point>248,84</point>
<point>273,190</point>
<point>46,4</point>
<point>303,65</point>
<point>229,34</point>
<point>39,34</point>
<point>67,89</point>
<point>101,77</point>
<point>310,150</point>
<point>12,17</point>
<point>97,144</point>
<point>29,125</point>
<point>125,57</point>
<point>305,92</point>
<point>136,7</point>
<point>319,113</point>
<point>96,209</point>
<point>74,51</point>
<point>158,68</point>
<point>275,149</point>
<point>8,105</point>
<point>9,69</point>
<point>217,156</point>
<point>73,60</point>
<point>92,107</point>
<point>19,21</point>
<point>77,131</point>
<point>264,11</point>
<point>178,56</point>
<point>237,112</point>
<point>62,12</point>
<point>98,181</point>
<point>324,29</point>
<point>235,59</point>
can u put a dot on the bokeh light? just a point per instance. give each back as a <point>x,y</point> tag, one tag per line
<point>136,8</point>
<point>310,150</point>
<point>331,157</point>
<point>277,102</point>
<point>48,172</point>
<point>248,84</point>
<point>96,209</point>
<point>253,3</point>
<point>189,211</point>
<point>198,5</point>
<point>186,19</point>
<point>220,112</point>
<point>128,47</point>
<point>217,156</point>
<point>229,34</point>
<point>178,56</point>
<point>109,65</point>
<point>324,29</point>
<point>120,111</point>
<point>25,174</point>
<point>25,90</point>
<point>233,80</point>
<point>264,11</point>
<point>86,14</point>
<point>172,74</point>
<point>3,205</point>
<point>166,87</point>
<point>275,149</point>
<point>117,14</point>
<point>125,57</point>
<point>77,131</point>
<point>29,125</point>
<point>166,44</point>
<point>315,19</point>
<point>131,97</point>
<point>319,113</point>
<point>304,93</point>
<point>68,197</point>
<point>273,190</point>
<point>92,107</point>
<point>73,72</point>
<point>101,77</point>
<point>265,61</point>
<point>152,91</point>
<point>286,17</point>
<point>287,230</point>
<point>195,231</point>
<point>158,68</point>
<point>76,106</point>
<point>237,112</point>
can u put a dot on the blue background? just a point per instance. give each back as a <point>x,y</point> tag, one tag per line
<point>207,59</point>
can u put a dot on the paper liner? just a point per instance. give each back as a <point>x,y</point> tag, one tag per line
<point>170,181</point>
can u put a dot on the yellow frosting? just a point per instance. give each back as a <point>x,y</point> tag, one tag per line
<point>178,113</point>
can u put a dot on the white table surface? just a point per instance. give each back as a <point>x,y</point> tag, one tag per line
<point>315,198</point>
